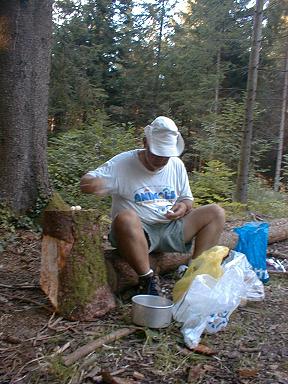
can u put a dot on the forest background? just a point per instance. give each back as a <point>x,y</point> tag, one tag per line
<point>109,67</point>
<point>117,64</point>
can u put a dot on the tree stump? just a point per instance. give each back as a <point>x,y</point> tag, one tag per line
<point>73,270</point>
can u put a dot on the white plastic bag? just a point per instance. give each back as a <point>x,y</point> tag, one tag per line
<point>253,286</point>
<point>209,302</point>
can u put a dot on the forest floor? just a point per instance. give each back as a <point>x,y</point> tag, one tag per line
<point>253,348</point>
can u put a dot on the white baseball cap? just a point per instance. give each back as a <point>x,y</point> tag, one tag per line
<point>163,137</point>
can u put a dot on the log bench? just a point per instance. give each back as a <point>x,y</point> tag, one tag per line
<point>81,276</point>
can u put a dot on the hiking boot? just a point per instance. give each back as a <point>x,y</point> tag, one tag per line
<point>149,285</point>
<point>181,270</point>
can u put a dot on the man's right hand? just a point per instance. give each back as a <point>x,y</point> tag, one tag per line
<point>91,184</point>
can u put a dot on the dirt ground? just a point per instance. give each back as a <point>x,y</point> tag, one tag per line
<point>253,347</point>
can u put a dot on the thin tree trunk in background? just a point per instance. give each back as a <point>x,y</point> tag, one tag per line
<point>216,101</point>
<point>282,126</point>
<point>217,86</point>
<point>25,41</point>
<point>158,59</point>
<point>245,153</point>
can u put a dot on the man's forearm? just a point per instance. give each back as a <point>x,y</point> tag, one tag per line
<point>188,203</point>
<point>91,184</point>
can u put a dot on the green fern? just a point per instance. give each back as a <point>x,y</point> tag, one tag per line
<point>213,184</point>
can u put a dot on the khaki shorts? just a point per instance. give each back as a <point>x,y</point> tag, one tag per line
<point>167,237</point>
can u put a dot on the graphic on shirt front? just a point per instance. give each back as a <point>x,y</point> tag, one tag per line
<point>157,198</point>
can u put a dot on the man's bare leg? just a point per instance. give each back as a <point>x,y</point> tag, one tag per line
<point>206,224</point>
<point>131,241</point>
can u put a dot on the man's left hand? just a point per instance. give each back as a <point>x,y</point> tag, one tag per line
<point>179,210</point>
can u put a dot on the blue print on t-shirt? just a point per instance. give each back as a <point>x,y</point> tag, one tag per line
<point>148,195</point>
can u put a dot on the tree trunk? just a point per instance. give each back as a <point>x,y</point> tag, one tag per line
<point>158,58</point>
<point>79,276</point>
<point>245,153</point>
<point>217,85</point>
<point>25,40</point>
<point>282,126</point>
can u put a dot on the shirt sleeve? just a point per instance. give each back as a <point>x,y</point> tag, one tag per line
<point>107,172</point>
<point>185,190</point>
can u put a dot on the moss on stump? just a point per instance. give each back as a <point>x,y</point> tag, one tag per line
<point>81,280</point>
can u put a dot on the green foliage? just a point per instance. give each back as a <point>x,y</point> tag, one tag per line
<point>262,199</point>
<point>7,218</point>
<point>59,371</point>
<point>234,209</point>
<point>9,221</point>
<point>208,31</point>
<point>139,60</point>
<point>83,55</point>
<point>41,203</point>
<point>73,153</point>
<point>213,184</point>
<point>56,203</point>
<point>221,134</point>
<point>260,149</point>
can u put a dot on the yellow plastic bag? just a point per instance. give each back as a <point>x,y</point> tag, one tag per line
<point>209,262</point>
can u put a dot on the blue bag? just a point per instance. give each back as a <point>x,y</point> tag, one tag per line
<point>253,241</point>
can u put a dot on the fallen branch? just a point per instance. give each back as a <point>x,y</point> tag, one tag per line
<point>20,286</point>
<point>90,347</point>
<point>249,350</point>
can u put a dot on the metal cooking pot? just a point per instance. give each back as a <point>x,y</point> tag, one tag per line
<point>151,311</point>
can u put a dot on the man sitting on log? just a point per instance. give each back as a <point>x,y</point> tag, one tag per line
<point>152,202</point>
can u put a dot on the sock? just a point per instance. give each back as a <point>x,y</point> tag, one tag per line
<point>147,274</point>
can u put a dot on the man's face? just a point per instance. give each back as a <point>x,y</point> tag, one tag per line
<point>154,162</point>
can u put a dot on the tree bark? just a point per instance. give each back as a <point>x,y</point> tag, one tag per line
<point>25,41</point>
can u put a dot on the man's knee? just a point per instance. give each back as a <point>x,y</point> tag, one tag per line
<point>126,219</point>
<point>217,212</point>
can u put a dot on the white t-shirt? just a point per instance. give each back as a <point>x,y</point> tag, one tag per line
<point>149,193</point>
